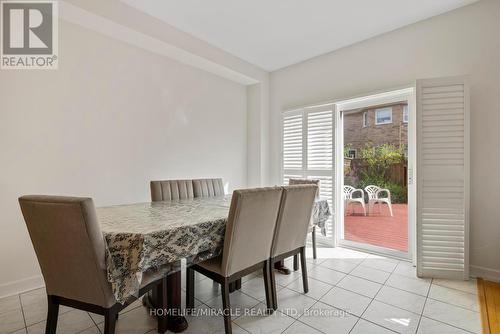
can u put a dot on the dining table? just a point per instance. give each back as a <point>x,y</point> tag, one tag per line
<point>157,236</point>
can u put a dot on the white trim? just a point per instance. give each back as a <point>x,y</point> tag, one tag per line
<point>338,202</point>
<point>486,273</point>
<point>407,108</point>
<point>22,285</point>
<point>386,97</point>
<point>372,249</point>
<point>380,110</point>
<point>365,119</point>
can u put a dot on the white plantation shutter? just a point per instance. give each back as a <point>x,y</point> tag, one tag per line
<point>293,143</point>
<point>307,147</point>
<point>442,178</point>
<point>320,140</point>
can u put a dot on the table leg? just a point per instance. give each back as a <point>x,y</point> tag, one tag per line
<point>176,322</point>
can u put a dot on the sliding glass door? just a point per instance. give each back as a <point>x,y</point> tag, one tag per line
<point>374,164</point>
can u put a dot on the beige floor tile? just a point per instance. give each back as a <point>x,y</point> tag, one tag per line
<point>328,319</point>
<point>258,322</point>
<point>34,305</point>
<point>10,304</point>
<point>68,323</point>
<point>317,289</point>
<point>11,321</point>
<point>292,303</point>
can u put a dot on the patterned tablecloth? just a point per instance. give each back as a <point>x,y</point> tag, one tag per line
<point>144,236</point>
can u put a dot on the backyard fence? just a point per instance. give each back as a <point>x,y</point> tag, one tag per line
<point>398,172</point>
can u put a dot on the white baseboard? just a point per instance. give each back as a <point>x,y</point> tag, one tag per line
<point>486,273</point>
<point>22,285</point>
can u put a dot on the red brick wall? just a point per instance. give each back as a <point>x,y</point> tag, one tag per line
<point>356,136</point>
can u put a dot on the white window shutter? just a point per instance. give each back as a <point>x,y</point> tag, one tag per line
<point>308,146</point>
<point>443,178</point>
<point>293,143</point>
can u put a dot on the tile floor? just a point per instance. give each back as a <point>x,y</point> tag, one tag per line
<point>350,292</point>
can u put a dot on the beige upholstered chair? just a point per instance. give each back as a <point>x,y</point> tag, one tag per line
<point>167,190</point>
<point>71,252</point>
<point>312,227</point>
<point>208,187</point>
<point>291,229</point>
<point>247,245</point>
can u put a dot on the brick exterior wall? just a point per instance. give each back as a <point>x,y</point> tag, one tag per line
<point>356,136</point>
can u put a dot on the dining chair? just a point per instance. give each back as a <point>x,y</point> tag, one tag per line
<point>166,190</point>
<point>247,245</point>
<point>291,230</point>
<point>312,227</point>
<point>70,248</point>
<point>208,187</point>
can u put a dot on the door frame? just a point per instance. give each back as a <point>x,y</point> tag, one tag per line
<point>407,93</point>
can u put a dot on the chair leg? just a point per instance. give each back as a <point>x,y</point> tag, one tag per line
<point>110,321</point>
<point>266,271</point>
<point>305,282</point>
<point>52,315</point>
<point>314,242</point>
<point>237,284</point>
<point>274,297</point>
<point>189,288</point>
<point>364,207</point>
<point>295,262</point>
<point>390,208</point>
<point>226,306</point>
<point>161,292</point>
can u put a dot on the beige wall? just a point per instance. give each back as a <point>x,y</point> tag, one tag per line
<point>109,120</point>
<point>465,41</point>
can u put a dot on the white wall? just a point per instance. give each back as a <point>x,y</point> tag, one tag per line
<point>109,120</point>
<point>465,41</point>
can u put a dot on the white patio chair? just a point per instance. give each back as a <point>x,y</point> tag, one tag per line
<point>349,197</point>
<point>374,197</point>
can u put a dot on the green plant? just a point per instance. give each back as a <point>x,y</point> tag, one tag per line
<point>377,162</point>
<point>379,159</point>
<point>346,150</point>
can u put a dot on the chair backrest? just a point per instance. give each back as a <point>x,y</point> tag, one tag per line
<point>348,191</point>
<point>294,217</point>
<point>167,190</point>
<point>372,191</point>
<point>208,187</point>
<point>305,181</point>
<point>250,228</point>
<point>69,246</point>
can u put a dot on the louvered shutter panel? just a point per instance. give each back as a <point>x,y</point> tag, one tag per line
<point>292,145</point>
<point>443,178</point>
<point>307,148</point>
<point>320,140</point>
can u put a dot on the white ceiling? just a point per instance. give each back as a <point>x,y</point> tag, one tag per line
<point>276,33</point>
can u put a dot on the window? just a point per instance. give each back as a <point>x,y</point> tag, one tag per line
<point>405,114</point>
<point>383,116</point>
<point>365,119</point>
<point>352,153</point>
